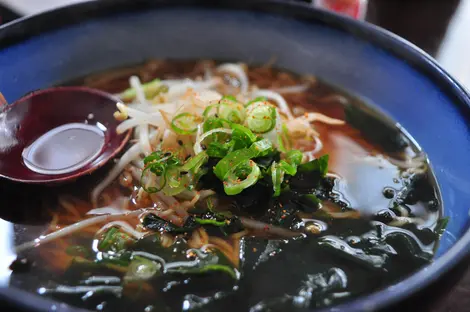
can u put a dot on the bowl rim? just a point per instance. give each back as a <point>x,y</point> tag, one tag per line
<point>30,26</point>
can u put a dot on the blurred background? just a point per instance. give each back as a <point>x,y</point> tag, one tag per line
<point>440,27</point>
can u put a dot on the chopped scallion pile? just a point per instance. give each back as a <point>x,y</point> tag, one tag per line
<point>240,138</point>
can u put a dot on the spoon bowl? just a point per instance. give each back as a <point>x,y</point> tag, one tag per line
<point>59,134</point>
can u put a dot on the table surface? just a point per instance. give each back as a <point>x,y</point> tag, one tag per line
<point>441,28</point>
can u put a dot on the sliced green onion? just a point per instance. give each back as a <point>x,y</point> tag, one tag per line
<point>153,189</point>
<point>262,148</point>
<point>155,156</point>
<point>293,159</point>
<point>232,110</point>
<point>185,123</point>
<point>207,112</point>
<point>107,240</point>
<point>256,100</point>
<point>277,176</point>
<point>261,118</point>
<point>114,240</point>
<point>197,145</point>
<point>195,162</point>
<point>176,179</point>
<point>280,144</point>
<point>210,222</point>
<point>229,97</point>
<point>242,136</point>
<point>231,161</point>
<point>285,133</point>
<point>158,163</point>
<point>219,150</point>
<point>234,184</point>
<point>175,182</point>
<point>197,176</point>
<point>214,123</point>
<point>288,165</point>
<point>284,141</point>
<point>287,168</point>
<point>151,89</point>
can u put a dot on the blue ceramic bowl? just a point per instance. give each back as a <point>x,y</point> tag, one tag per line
<point>395,76</point>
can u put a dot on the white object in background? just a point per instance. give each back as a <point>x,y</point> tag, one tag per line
<point>28,7</point>
<point>453,54</point>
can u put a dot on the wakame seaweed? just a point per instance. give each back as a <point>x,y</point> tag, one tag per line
<point>310,174</point>
<point>207,220</point>
<point>418,188</point>
<point>266,161</point>
<point>155,223</point>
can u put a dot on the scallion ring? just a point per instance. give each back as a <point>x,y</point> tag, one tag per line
<point>195,162</point>
<point>233,184</point>
<point>176,183</point>
<point>197,145</point>
<point>185,123</point>
<point>277,176</point>
<point>209,109</point>
<point>261,118</point>
<point>256,100</point>
<point>153,189</point>
<point>214,122</point>
<point>231,110</point>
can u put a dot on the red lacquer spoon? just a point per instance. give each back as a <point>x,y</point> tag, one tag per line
<point>58,134</point>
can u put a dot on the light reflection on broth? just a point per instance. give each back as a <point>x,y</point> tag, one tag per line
<point>372,220</point>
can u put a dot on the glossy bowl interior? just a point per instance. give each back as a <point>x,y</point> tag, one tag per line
<point>386,71</point>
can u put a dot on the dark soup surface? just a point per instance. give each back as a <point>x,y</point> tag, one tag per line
<point>242,189</point>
